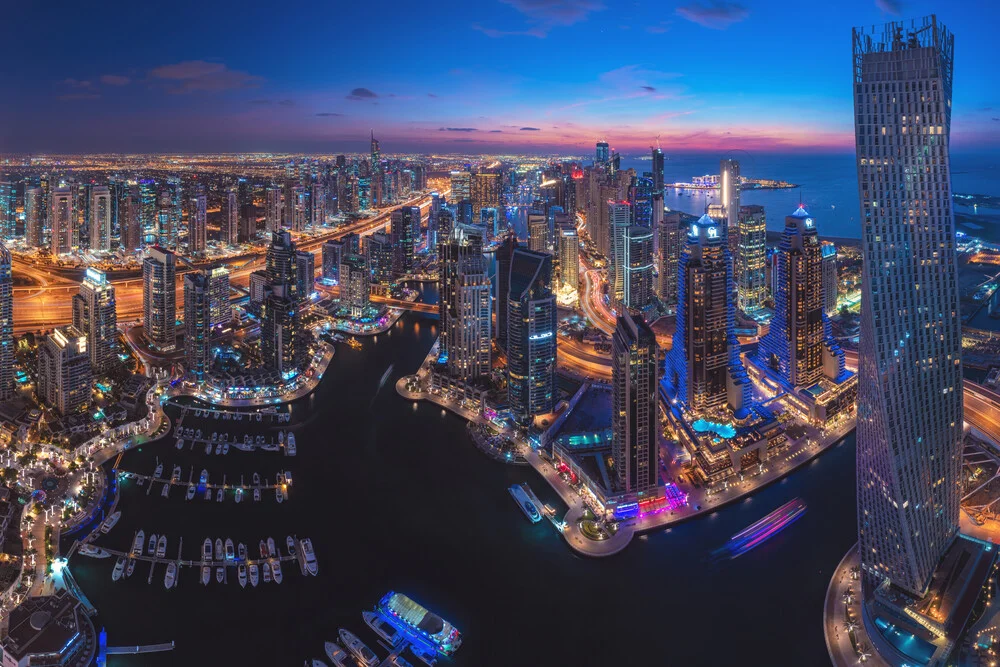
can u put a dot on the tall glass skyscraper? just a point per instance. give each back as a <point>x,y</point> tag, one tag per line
<point>531,336</point>
<point>635,417</point>
<point>751,258</point>
<point>465,305</point>
<point>910,368</point>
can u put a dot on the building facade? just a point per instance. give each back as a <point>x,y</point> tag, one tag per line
<point>95,314</point>
<point>635,400</point>
<point>159,299</point>
<point>64,375</point>
<point>751,258</point>
<point>197,324</point>
<point>465,306</point>
<point>531,336</point>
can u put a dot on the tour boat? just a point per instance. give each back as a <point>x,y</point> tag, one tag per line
<point>254,577</point>
<point>206,549</point>
<point>335,654</point>
<point>290,543</point>
<point>137,543</point>
<point>171,576</point>
<point>190,492</point>
<point>229,549</point>
<point>364,655</point>
<point>116,574</point>
<point>151,549</point>
<point>110,522</point>
<point>161,546</point>
<point>267,573</point>
<point>220,574</point>
<point>276,571</point>
<point>522,500</point>
<point>242,569</point>
<point>206,575</point>
<point>428,632</point>
<point>218,548</point>
<point>312,567</point>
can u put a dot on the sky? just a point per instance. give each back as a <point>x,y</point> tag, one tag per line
<point>531,76</point>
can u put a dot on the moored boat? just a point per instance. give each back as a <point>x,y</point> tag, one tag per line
<point>130,568</point>
<point>151,549</point>
<point>92,551</point>
<point>161,546</point>
<point>271,550</point>
<point>206,575</point>
<point>425,629</point>
<point>171,576</point>
<point>242,551</point>
<point>254,575</point>
<point>190,492</point>
<point>309,556</point>
<point>335,654</point>
<point>290,444</point>
<point>267,573</point>
<point>364,655</point>
<point>137,542</point>
<point>220,574</point>
<point>242,570</point>
<point>230,554</point>
<point>206,549</point>
<point>383,629</point>
<point>110,522</point>
<point>276,571</point>
<point>522,500</point>
<point>116,574</point>
<point>290,543</point>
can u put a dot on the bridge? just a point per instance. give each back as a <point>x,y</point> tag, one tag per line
<point>415,306</point>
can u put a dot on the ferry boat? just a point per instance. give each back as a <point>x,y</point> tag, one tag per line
<point>220,574</point>
<point>161,546</point>
<point>206,575</point>
<point>335,654</point>
<point>110,522</point>
<point>382,628</point>
<point>290,445</point>
<point>116,574</point>
<point>137,543</point>
<point>171,576</point>
<point>759,532</point>
<point>254,576</point>
<point>130,568</point>
<point>230,554</point>
<point>290,544</point>
<point>206,549</point>
<point>242,569</point>
<point>92,551</point>
<point>151,548</point>
<point>158,471</point>
<point>271,550</point>
<point>312,567</point>
<point>276,571</point>
<point>522,500</point>
<point>424,629</point>
<point>190,492</point>
<point>218,548</point>
<point>364,655</point>
<point>267,573</point>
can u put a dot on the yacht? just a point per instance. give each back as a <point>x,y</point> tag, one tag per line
<point>208,494</point>
<point>256,479</point>
<point>364,655</point>
<point>215,436</point>
<point>190,493</point>
<point>290,543</point>
<point>218,449</point>
<point>278,495</point>
<point>206,549</point>
<point>256,494</point>
<point>204,477</point>
<point>522,500</point>
<point>290,445</point>
<point>166,490</point>
<point>267,573</point>
<point>140,537</point>
<point>110,522</point>
<point>171,576</point>
<point>197,434</point>
<point>92,551</point>
<point>225,448</point>
<point>276,571</point>
<point>242,552</point>
<point>151,549</point>
<point>208,448</point>
<point>381,628</point>
<point>116,574</point>
<point>161,546</point>
<point>263,550</point>
<point>206,575</point>
<point>158,471</point>
<point>218,548</point>
<point>312,567</point>
<point>254,577</point>
<point>399,661</point>
<point>220,574</point>
<point>239,494</point>
<point>281,437</point>
<point>130,568</point>
<point>242,569</point>
<point>220,495</point>
<point>335,654</point>
<point>315,662</point>
<point>180,443</point>
<point>271,550</point>
<point>175,476</point>
<point>229,549</point>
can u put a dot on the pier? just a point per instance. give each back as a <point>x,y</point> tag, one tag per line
<point>195,563</point>
<point>135,650</point>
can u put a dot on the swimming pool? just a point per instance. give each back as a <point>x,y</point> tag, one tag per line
<point>721,430</point>
<point>910,645</point>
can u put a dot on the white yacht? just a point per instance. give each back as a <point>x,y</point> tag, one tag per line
<point>290,543</point>
<point>256,479</point>
<point>190,492</point>
<point>239,494</point>
<point>116,574</point>
<point>151,549</point>
<point>256,494</point>
<point>218,449</point>
<point>93,552</point>
<point>206,549</point>
<point>130,568</point>
<point>254,576</point>
<point>110,522</point>
<point>206,575</point>
<point>290,445</point>
<point>241,552</point>
<point>180,443</point>
<point>242,569</point>
<point>161,546</point>
<point>204,477</point>
<point>140,537</point>
<point>335,654</point>
<point>276,570</point>
<point>312,567</point>
<point>271,550</point>
<point>220,574</point>
<point>263,549</point>
<point>220,495</point>
<point>229,549</point>
<point>166,490</point>
<point>225,448</point>
<point>175,476</point>
<point>208,448</point>
<point>171,576</point>
<point>278,495</point>
<point>364,655</point>
<point>158,471</point>
<point>267,573</point>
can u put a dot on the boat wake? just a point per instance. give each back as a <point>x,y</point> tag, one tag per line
<point>757,533</point>
<point>381,383</point>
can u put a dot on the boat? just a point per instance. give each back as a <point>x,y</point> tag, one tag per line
<point>760,531</point>
<point>290,544</point>
<point>256,479</point>
<point>190,492</point>
<point>239,494</point>
<point>271,550</point>
<point>522,500</point>
<point>427,631</point>
<point>354,343</point>
<point>218,449</point>
<point>208,494</point>
<point>218,548</point>
<point>256,494</point>
<point>137,542</point>
<point>312,567</point>
<point>220,574</point>
<point>335,654</point>
<point>110,522</point>
<point>225,448</point>
<point>315,662</point>
<point>204,477</point>
<point>278,495</point>
<point>229,549</point>
<point>364,655</point>
<point>161,546</point>
<point>180,443</point>
<point>208,448</point>
<point>206,575</point>
<point>206,549</point>
<point>276,571</point>
<point>382,628</point>
<point>116,574</point>
<point>130,568</point>
<point>290,445</point>
<point>158,471</point>
<point>151,549</point>
<point>171,576</point>
<point>254,577</point>
<point>281,437</point>
<point>267,573</point>
<point>175,476</point>
<point>242,552</point>
<point>92,551</point>
<point>263,550</point>
<point>166,490</point>
<point>242,570</point>
<point>220,495</point>
<point>399,661</point>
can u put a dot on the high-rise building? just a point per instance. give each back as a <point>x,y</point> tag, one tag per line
<point>220,307</point>
<point>619,219</point>
<point>317,202</point>
<point>729,195</point>
<point>198,221</point>
<point>504,256</point>
<point>831,281</point>
<point>197,324</point>
<point>637,268</point>
<point>538,232</point>
<point>300,208</point>
<point>166,233</point>
<point>602,154</point>
<point>272,209</point>
<point>130,209</point>
<point>64,375</point>
<point>635,400</point>
<point>464,305</point>
<point>333,255</point>
<point>485,192</point>
<point>704,370</point>
<point>147,206</point>
<point>657,171</point>
<point>8,209</point>
<point>280,261</point>
<point>751,258</point>
<point>6,325</point>
<point>100,218</point>
<point>355,284</point>
<point>379,253</point>
<point>159,299</point>
<point>461,186</point>
<point>569,259</point>
<point>279,330</point>
<point>258,292</point>
<point>671,233</point>
<point>305,273</point>
<point>401,225</point>
<point>95,314</point>
<point>230,218</point>
<point>62,220</point>
<point>531,336</point>
<point>34,217</point>
<point>909,430</point>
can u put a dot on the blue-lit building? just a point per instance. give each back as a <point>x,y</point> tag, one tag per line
<point>531,336</point>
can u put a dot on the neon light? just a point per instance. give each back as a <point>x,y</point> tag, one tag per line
<point>547,334</point>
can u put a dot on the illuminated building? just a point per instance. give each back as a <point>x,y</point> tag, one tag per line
<point>197,324</point>
<point>6,325</point>
<point>403,220</point>
<point>704,371</point>
<point>166,233</point>
<point>601,154</point>
<point>159,299</point>
<point>147,206</point>
<point>484,193</point>
<point>333,253</point>
<point>909,431</point>
<point>657,171</point>
<point>461,186</point>
<point>230,218</point>
<point>635,416</point>
<point>258,292</point>
<point>318,202</point>
<point>504,256</point>
<point>280,261</point>
<point>751,258</point>
<point>95,315</point>
<point>355,284</point>
<point>531,336</point>
<point>220,308</point>
<point>619,219</point>
<point>729,195</point>
<point>831,282</point>
<point>305,273</point>
<point>489,220</point>
<point>637,268</point>
<point>198,221</point>
<point>445,223</point>
<point>130,208</point>
<point>538,232</point>
<point>64,375</point>
<point>569,259</point>
<point>8,209</point>
<point>62,219</point>
<point>640,198</point>
<point>278,329</point>
<point>464,305</point>
<point>379,251</point>
<point>272,209</point>
<point>300,208</point>
<point>671,233</point>
<point>34,217</point>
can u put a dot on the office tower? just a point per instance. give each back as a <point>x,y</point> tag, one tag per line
<point>258,290</point>
<point>81,210</point>
<point>637,279</point>
<point>379,253</point>
<point>318,203</point>
<point>305,273</point>
<point>504,256</point>
<point>531,336</point>
<point>463,211</point>
<point>62,220</point>
<point>229,227</point>
<point>333,254</point>
<point>352,242</point>
<point>831,282</point>
<point>485,193</point>
<point>671,233</point>
<point>278,331</point>
<point>220,307</point>
<point>569,259</point>
<point>601,156</point>
<point>166,232</point>
<point>640,198</point>
<point>34,217</point>
<point>432,221</point>
<point>461,186</point>
<point>619,219</point>
<point>8,209</point>
<point>95,315</point>
<point>910,369</point>
<point>147,206</point>
<point>198,221</point>
<point>634,417</point>
<point>197,324</point>
<point>464,305</point>
<point>159,299</point>
<point>600,233</point>
<point>445,223</point>
<point>729,195</point>
<point>538,232</point>
<point>173,190</point>
<point>6,325</point>
<point>704,368</point>
<point>489,220</point>
<point>280,260</point>
<point>99,219</point>
<point>355,284</point>
<point>401,227</point>
<point>657,171</point>
<point>300,208</point>
<point>751,258</point>
<point>64,375</point>
<point>131,227</point>
<point>272,209</point>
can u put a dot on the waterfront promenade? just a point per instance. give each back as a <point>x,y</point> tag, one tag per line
<point>847,640</point>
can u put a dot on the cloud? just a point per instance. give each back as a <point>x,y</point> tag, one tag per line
<point>530,129</point>
<point>493,32</point>
<point>717,15</point>
<point>202,76</point>
<point>361,94</point>
<point>496,131</point>
<point>431,95</point>
<point>286,103</point>
<point>79,96</point>
<point>996,119</point>
<point>76,83</point>
<point>894,7</point>
<point>648,89</point>
<point>329,114</point>
<point>543,15</point>
<point>658,29</point>
<point>457,129</point>
<point>115,80</point>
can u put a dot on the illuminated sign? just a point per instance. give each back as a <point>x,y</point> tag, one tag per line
<point>95,276</point>
<point>547,334</point>
<point>713,233</point>
<point>694,230</point>
<point>809,222</point>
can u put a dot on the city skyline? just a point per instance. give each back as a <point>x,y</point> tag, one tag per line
<point>189,87</point>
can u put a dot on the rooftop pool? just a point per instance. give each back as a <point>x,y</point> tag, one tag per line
<point>721,430</point>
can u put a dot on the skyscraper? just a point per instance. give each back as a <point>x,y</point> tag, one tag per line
<point>198,221</point>
<point>464,305</point>
<point>62,219</point>
<point>317,201</point>
<point>751,258</point>
<point>637,268</point>
<point>100,218</point>
<point>538,232</point>
<point>272,209</point>
<point>401,228</point>
<point>280,261</point>
<point>34,217</point>
<point>130,209</point>
<point>634,417</point>
<point>8,209</point>
<point>729,196</point>
<point>485,193</point>
<point>831,281</point>
<point>197,324</point>
<point>230,218</point>
<point>602,154</point>
<point>657,171</point>
<point>531,336</point>
<point>355,284</point>
<point>305,273</point>
<point>6,325</point>
<point>279,329</point>
<point>670,236</point>
<point>165,231</point>
<point>159,299</point>
<point>504,256</point>
<point>333,254</point>
<point>64,375</point>
<point>461,186</point>
<point>379,254</point>
<point>910,368</point>
<point>220,308</point>
<point>95,315</point>
<point>569,259</point>
<point>619,219</point>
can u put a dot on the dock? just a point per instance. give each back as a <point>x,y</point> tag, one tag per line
<point>135,650</point>
<point>232,415</point>
<point>195,563</point>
